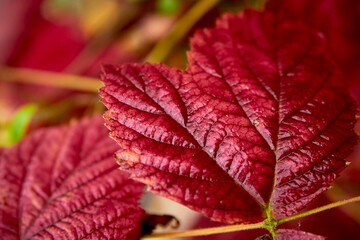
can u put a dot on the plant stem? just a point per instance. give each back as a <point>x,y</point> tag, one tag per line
<point>53,79</point>
<point>164,46</point>
<point>207,231</point>
<point>111,24</point>
<point>335,194</point>
<point>319,209</point>
<point>270,223</point>
<point>239,227</point>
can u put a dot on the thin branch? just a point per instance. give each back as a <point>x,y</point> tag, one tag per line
<point>319,209</point>
<point>336,193</point>
<point>53,79</point>
<point>207,231</point>
<point>163,47</point>
<point>113,24</point>
<point>239,227</point>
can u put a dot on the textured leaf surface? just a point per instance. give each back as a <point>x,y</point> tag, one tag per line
<point>259,118</point>
<point>289,234</point>
<point>62,183</point>
<point>337,19</point>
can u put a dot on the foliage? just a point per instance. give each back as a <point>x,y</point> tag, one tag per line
<point>258,125</point>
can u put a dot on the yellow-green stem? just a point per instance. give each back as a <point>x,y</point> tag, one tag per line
<point>47,78</point>
<point>336,193</point>
<point>163,47</point>
<point>207,231</point>
<point>319,209</point>
<point>269,224</point>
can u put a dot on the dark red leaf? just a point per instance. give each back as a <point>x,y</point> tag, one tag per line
<point>13,15</point>
<point>337,19</point>
<point>259,118</point>
<point>63,183</point>
<point>289,234</point>
<point>43,44</point>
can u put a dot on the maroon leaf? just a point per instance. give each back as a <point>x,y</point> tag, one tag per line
<point>247,126</point>
<point>337,19</point>
<point>62,183</point>
<point>289,234</point>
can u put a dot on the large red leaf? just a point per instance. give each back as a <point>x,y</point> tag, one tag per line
<point>259,120</point>
<point>337,19</point>
<point>62,183</point>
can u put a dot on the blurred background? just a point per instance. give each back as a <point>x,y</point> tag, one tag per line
<point>51,53</point>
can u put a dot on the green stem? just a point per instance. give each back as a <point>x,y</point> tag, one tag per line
<point>99,42</point>
<point>335,194</point>
<point>319,209</point>
<point>206,231</point>
<point>53,79</point>
<point>164,46</point>
<point>269,224</point>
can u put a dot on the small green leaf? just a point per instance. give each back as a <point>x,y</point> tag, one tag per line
<point>15,129</point>
<point>167,6</point>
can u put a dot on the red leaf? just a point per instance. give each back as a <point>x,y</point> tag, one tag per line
<point>337,19</point>
<point>63,183</point>
<point>13,15</point>
<point>44,44</point>
<point>248,124</point>
<point>289,234</point>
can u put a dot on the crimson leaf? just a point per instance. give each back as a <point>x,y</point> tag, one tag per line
<point>289,234</point>
<point>337,19</point>
<point>247,127</point>
<point>62,183</point>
